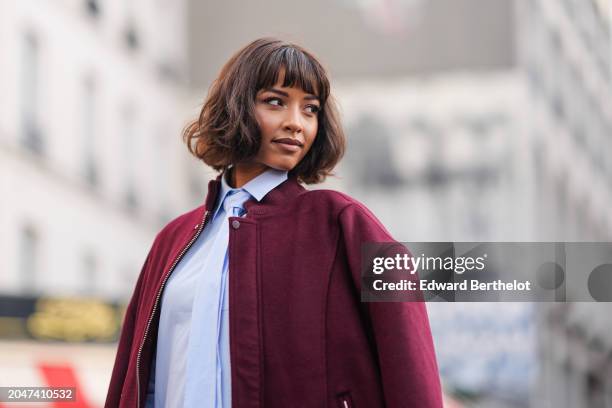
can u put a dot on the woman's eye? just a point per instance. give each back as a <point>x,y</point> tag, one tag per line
<point>313,108</point>
<point>273,101</point>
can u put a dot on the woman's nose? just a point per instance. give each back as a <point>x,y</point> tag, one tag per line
<point>293,121</point>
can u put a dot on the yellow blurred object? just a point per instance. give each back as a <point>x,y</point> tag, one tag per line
<point>73,320</point>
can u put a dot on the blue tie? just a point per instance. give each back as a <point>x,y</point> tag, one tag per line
<point>202,390</point>
<point>234,202</point>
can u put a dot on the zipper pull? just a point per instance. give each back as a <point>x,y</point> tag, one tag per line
<point>344,401</point>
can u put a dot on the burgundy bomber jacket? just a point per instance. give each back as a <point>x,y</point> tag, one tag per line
<point>299,335</point>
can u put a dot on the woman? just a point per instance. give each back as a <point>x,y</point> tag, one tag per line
<point>253,299</point>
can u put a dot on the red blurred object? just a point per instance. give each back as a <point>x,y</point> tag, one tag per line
<point>57,375</point>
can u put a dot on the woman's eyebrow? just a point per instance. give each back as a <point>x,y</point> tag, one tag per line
<point>286,95</point>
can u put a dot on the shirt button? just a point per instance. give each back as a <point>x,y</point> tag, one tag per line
<point>235,224</point>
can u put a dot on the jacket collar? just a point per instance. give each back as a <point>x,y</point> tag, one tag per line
<point>274,200</point>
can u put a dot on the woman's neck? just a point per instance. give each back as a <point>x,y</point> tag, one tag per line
<point>242,173</point>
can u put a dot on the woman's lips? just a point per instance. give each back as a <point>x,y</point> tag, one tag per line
<point>290,145</point>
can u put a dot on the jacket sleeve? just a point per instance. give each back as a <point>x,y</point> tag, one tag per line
<point>126,338</point>
<point>401,329</point>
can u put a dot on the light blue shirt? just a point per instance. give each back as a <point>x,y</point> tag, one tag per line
<point>181,367</point>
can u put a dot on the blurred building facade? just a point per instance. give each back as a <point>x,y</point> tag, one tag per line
<point>91,166</point>
<point>90,114</point>
<point>359,39</point>
<point>435,157</point>
<point>566,49</point>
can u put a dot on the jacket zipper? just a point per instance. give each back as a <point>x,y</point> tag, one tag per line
<point>345,401</point>
<point>161,289</point>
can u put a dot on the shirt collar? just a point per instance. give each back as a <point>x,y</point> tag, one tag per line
<point>257,188</point>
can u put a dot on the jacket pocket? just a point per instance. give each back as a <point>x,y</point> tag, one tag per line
<point>345,401</point>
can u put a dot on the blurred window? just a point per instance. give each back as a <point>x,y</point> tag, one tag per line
<point>369,154</point>
<point>569,7</point>
<point>579,134</point>
<point>129,153</point>
<point>160,173</point>
<point>93,8</point>
<point>598,143</point>
<point>89,272</point>
<point>89,132</point>
<point>556,40</point>
<point>130,36</point>
<point>28,258</point>
<point>558,105</point>
<point>561,207</point>
<point>603,62</point>
<point>478,126</point>
<point>31,136</point>
<point>595,391</point>
<point>535,78</point>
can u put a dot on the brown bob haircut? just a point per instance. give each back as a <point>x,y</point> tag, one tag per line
<point>226,132</point>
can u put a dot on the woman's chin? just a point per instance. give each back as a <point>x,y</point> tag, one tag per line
<point>282,165</point>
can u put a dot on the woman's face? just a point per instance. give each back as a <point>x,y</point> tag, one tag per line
<point>288,122</point>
